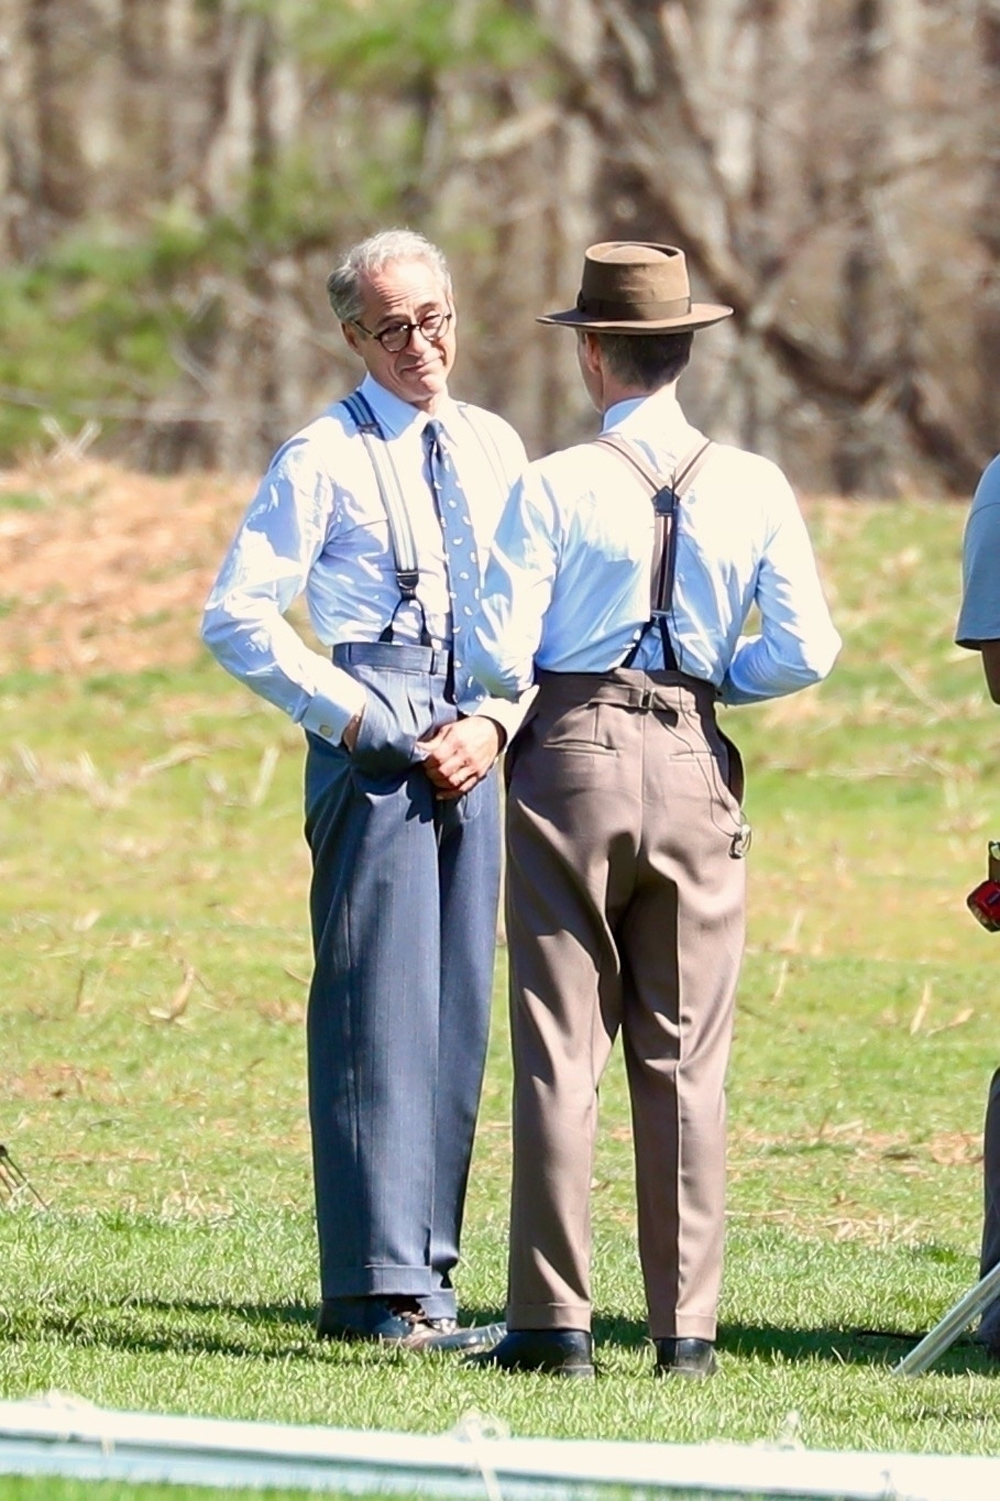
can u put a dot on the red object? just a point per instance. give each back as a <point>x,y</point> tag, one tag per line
<point>984,904</point>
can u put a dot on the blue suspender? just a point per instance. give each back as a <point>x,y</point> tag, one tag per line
<point>404,548</point>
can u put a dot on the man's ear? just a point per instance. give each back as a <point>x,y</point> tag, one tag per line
<point>352,336</point>
<point>589,350</point>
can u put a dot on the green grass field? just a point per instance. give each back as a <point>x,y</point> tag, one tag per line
<point>153,976</point>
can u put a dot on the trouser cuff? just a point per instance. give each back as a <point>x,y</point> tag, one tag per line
<point>687,1326</point>
<point>393,1281</point>
<point>548,1316</point>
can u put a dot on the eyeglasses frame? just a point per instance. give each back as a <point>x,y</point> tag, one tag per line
<point>411,329</point>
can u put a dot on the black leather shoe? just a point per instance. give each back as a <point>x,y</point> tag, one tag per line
<point>691,1358</point>
<point>400,1322</point>
<point>559,1352</point>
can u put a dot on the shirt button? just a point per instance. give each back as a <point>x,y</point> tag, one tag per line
<point>326,731</point>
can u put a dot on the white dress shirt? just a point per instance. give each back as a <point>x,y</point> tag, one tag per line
<point>568,580</point>
<point>317,525</point>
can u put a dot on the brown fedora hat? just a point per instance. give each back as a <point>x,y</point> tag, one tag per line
<point>636,287</point>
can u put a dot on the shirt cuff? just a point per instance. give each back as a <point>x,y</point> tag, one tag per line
<point>507,715</point>
<point>329,719</point>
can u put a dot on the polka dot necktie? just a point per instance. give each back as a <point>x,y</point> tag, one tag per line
<point>460,553</point>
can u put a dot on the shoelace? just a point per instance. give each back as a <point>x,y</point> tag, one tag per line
<point>415,1315</point>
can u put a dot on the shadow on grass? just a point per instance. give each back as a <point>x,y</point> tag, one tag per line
<point>188,1326</point>
<point>848,1347</point>
<point>183,1326</point>
<point>776,1345</point>
<point>257,1314</point>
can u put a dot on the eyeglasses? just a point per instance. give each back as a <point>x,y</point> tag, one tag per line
<point>395,338</point>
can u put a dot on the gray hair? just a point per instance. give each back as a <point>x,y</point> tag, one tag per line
<point>343,285</point>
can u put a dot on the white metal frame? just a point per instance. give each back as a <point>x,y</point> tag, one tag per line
<point>60,1436</point>
<point>947,1330</point>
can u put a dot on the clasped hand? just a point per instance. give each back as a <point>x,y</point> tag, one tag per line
<point>460,754</point>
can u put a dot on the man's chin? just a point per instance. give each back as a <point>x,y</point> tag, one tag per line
<point>426,387</point>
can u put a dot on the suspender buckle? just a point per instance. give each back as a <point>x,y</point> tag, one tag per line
<point>407,580</point>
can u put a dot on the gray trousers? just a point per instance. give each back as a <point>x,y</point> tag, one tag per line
<point>989,1326</point>
<point>625,913</point>
<point>403,906</point>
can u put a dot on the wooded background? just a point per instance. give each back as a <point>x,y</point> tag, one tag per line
<point>178,176</point>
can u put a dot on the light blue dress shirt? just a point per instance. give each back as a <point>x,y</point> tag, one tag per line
<point>567,584</point>
<point>317,526</point>
<point>979,620</point>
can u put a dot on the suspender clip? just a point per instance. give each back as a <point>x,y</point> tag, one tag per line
<point>407,580</point>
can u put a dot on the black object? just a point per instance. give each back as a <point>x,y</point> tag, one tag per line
<point>693,1359</point>
<point>559,1352</point>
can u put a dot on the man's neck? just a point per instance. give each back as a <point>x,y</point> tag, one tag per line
<point>405,410</point>
<point>617,391</point>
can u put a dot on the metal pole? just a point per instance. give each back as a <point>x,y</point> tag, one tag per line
<point>13,1181</point>
<point>950,1327</point>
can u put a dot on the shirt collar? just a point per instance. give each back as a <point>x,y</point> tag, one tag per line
<point>397,416</point>
<point>662,407</point>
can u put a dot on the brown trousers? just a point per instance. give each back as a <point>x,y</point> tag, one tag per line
<point>625,911</point>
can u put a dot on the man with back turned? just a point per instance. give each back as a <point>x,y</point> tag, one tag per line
<point>619,582</point>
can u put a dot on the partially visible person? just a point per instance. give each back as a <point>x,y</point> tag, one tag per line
<point>979,618</point>
<point>979,629</point>
<point>625,831</point>
<point>381,511</point>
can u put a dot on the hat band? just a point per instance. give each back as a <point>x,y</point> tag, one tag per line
<point>632,312</point>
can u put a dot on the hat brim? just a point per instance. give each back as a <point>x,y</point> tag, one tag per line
<point>702,315</point>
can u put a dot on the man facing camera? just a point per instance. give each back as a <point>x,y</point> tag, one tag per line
<point>380,512</point>
<point>619,582</point>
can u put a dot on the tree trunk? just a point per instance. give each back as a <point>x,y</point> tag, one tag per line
<point>859,459</point>
<point>987,337</point>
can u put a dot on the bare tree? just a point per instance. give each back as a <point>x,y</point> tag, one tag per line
<point>818,160</point>
<point>987,225</point>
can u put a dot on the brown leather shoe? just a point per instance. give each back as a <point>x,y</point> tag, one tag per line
<point>693,1359</point>
<point>400,1322</point>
